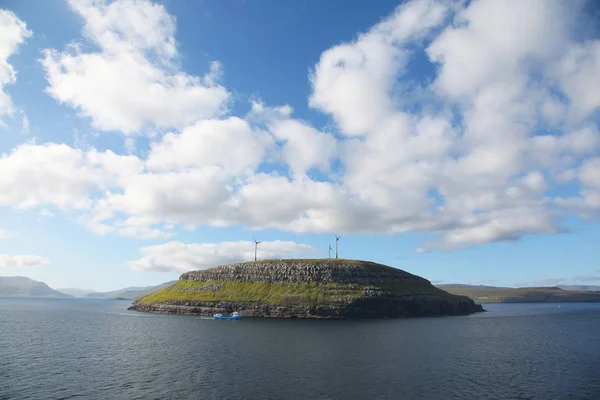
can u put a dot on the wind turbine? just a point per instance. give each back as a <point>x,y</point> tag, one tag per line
<point>256,243</point>
<point>337,239</point>
<point>330,249</point>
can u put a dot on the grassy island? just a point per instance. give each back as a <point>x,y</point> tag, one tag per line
<point>296,288</point>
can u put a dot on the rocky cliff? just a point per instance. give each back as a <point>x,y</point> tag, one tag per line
<point>322,288</point>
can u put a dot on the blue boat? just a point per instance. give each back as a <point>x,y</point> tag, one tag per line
<point>235,315</point>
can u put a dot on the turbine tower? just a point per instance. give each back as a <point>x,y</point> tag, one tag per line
<point>256,243</point>
<point>337,239</point>
<point>330,249</point>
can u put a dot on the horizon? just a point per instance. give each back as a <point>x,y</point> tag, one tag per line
<point>437,284</point>
<point>458,141</point>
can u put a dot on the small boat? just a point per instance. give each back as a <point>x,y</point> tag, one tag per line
<point>235,315</point>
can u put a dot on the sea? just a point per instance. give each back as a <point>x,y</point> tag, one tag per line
<point>96,349</point>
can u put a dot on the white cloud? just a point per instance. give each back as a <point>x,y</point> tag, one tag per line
<point>14,33</point>
<point>51,174</point>
<point>176,197</point>
<point>503,225</point>
<point>493,41</point>
<point>21,261</point>
<point>468,154</point>
<point>587,204</point>
<point>230,144</point>
<point>576,73</point>
<point>590,173</point>
<point>353,81</point>
<point>182,257</point>
<point>56,174</point>
<point>132,81</point>
<point>141,228</point>
<point>302,146</point>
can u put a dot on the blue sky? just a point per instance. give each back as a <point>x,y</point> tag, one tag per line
<point>456,140</point>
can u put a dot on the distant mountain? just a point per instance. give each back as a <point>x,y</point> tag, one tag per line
<point>129,293</point>
<point>76,292</point>
<point>581,288</point>
<point>492,294</point>
<point>19,286</point>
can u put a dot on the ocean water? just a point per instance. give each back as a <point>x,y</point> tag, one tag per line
<point>96,349</point>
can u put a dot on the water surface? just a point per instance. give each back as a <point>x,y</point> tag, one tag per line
<point>96,349</point>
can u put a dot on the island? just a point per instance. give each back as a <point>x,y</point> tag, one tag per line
<point>297,288</point>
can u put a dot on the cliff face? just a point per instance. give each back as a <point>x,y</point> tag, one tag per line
<point>324,288</point>
<point>305,271</point>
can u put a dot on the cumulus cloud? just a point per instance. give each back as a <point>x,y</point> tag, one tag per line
<point>231,144</point>
<point>494,41</point>
<point>576,73</point>
<point>132,81</point>
<point>469,155</point>
<point>14,33</point>
<point>182,257</point>
<point>589,173</point>
<point>59,175</point>
<point>353,81</point>
<point>587,204</point>
<point>21,261</point>
<point>302,146</point>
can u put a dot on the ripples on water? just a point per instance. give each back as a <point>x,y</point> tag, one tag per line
<point>51,349</point>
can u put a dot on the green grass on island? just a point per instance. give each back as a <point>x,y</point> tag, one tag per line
<point>278,293</point>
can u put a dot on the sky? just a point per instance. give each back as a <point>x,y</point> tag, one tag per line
<point>457,140</point>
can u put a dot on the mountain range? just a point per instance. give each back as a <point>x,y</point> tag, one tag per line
<point>129,293</point>
<point>493,294</point>
<point>19,286</point>
<point>581,288</point>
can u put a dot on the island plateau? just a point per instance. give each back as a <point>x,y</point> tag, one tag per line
<point>294,288</point>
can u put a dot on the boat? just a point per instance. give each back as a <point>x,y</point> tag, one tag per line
<point>235,315</point>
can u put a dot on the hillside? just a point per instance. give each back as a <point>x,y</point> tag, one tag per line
<point>323,288</point>
<point>129,293</point>
<point>581,288</point>
<point>492,294</point>
<point>19,286</point>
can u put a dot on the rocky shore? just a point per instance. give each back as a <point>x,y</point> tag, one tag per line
<point>322,288</point>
